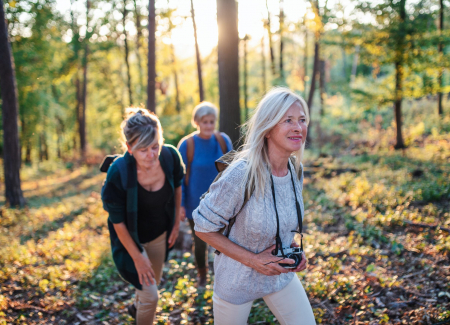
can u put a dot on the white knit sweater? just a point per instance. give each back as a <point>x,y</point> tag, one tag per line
<point>255,229</point>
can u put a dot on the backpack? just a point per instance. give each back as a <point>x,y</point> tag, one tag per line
<point>191,148</point>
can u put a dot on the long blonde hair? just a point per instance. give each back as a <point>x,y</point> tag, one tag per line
<point>267,115</point>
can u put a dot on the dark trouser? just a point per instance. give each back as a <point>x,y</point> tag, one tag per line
<point>200,249</point>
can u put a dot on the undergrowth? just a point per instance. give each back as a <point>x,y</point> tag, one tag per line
<point>376,237</point>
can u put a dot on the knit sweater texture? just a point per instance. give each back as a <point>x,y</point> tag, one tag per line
<point>255,230</point>
<point>203,171</point>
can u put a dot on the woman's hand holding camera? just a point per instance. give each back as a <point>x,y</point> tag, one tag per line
<point>267,264</point>
<point>144,269</point>
<point>303,264</point>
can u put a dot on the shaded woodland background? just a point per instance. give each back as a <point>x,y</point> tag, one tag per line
<point>376,78</point>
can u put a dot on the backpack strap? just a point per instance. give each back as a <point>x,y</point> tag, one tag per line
<point>226,231</point>
<point>190,146</point>
<point>223,163</point>
<point>221,140</point>
<point>233,219</point>
<point>168,157</point>
<point>123,171</point>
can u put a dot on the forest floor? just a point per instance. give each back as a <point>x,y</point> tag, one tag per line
<point>377,239</point>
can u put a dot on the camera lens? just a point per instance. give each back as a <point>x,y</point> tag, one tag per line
<point>296,258</point>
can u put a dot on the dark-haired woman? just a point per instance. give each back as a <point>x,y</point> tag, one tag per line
<point>142,194</point>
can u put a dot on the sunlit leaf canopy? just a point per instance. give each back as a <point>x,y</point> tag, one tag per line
<point>252,13</point>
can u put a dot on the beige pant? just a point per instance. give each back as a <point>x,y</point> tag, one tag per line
<point>147,298</point>
<point>289,305</point>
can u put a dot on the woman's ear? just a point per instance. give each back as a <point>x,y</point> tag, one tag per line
<point>129,148</point>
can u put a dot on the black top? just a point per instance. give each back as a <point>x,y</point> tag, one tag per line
<point>152,219</point>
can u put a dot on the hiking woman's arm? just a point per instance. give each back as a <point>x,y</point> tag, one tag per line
<point>176,226</point>
<point>263,262</point>
<point>141,262</point>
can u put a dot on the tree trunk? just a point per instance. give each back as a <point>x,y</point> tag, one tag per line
<point>138,49</point>
<point>355,64</point>
<point>269,32</point>
<point>263,67</point>
<point>197,56</point>
<point>175,75</point>
<point>151,65</point>
<point>313,86</point>
<point>11,146</point>
<point>40,149</point>
<point>281,40</point>
<point>344,64</point>
<point>25,139</point>
<point>322,86</point>
<point>398,101</point>
<point>82,129</point>
<point>305,57</point>
<point>43,146</point>
<point>82,123</point>
<point>76,46</point>
<point>398,120</point>
<point>28,152</point>
<point>245,77</point>
<point>440,49</point>
<point>399,78</point>
<point>127,64</point>
<point>59,134</point>
<point>228,62</point>
<point>312,89</point>
<point>78,107</point>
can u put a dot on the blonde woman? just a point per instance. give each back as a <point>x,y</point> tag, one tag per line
<point>142,194</point>
<point>199,151</point>
<point>247,269</point>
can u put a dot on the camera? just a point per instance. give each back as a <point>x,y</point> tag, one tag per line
<point>293,253</point>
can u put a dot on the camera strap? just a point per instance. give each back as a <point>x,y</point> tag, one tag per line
<point>278,242</point>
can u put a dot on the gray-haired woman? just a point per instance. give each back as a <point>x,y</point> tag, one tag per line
<point>142,194</point>
<point>267,173</point>
<point>199,151</point>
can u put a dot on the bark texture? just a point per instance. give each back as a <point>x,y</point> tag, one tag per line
<point>151,68</point>
<point>281,67</point>
<point>11,146</point>
<point>246,38</point>
<point>175,76</point>
<point>263,67</point>
<point>322,89</point>
<point>399,60</point>
<point>269,32</point>
<point>138,49</point>
<point>312,89</point>
<point>228,61</point>
<point>82,115</point>
<point>305,56</point>
<point>197,56</point>
<point>127,64</point>
<point>441,50</point>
